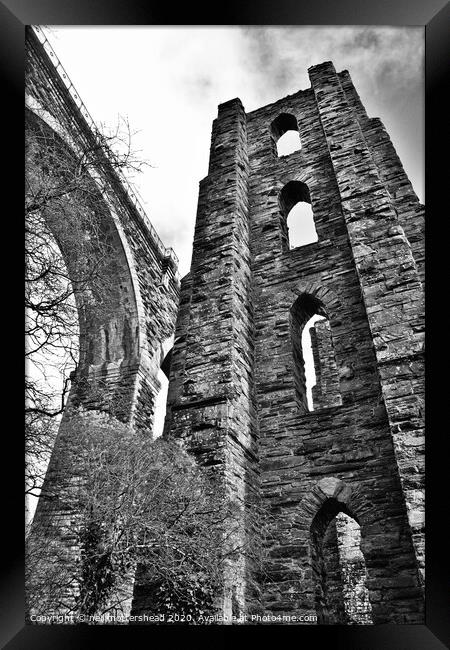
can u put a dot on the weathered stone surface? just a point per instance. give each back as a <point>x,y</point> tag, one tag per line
<point>243,305</point>
<point>120,357</point>
<point>237,393</point>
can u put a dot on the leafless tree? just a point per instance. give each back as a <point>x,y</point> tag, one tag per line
<point>146,508</point>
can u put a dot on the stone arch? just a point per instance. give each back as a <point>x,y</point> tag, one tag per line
<point>282,123</point>
<point>318,342</point>
<point>320,510</point>
<point>111,315</point>
<point>119,327</point>
<point>350,497</point>
<point>331,303</point>
<point>338,566</point>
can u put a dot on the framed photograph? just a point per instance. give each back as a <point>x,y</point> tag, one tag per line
<point>225,323</point>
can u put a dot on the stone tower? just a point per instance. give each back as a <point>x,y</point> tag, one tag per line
<point>237,393</point>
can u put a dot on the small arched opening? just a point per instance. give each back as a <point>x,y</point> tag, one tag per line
<point>338,567</point>
<point>297,219</point>
<point>316,378</point>
<point>285,135</point>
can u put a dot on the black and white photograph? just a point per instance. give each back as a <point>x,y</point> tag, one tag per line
<point>225,327</point>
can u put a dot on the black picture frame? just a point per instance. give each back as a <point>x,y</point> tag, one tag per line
<point>434,16</point>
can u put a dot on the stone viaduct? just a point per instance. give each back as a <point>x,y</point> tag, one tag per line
<point>121,353</point>
<point>237,390</point>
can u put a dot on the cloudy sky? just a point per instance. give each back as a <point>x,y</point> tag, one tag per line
<point>168,82</point>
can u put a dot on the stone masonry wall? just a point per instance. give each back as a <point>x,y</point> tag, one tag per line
<point>237,382</point>
<point>120,354</point>
<point>389,279</point>
<point>359,451</point>
<point>210,403</point>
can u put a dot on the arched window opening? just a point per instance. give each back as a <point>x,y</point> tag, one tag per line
<point>297,219</point>
<point>316,378</point>
<point>310,358</point>
<point>339,568</point>
<point>285,136</point>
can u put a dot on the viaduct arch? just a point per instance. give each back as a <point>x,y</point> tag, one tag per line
<point>125,311</point>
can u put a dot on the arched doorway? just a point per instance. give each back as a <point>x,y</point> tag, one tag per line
<point>338,567</point>
<point>316,377</point>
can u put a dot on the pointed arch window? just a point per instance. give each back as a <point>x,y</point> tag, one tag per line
<point>316,378</point>
<point>339,568</point>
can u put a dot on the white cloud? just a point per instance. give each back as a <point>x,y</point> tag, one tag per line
<point>169,81</point>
